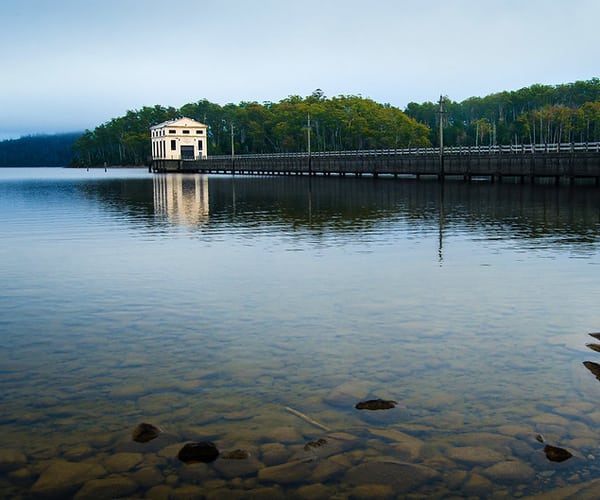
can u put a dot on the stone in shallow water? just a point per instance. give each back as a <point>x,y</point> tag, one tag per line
<point>510,471</point>
<point>593,347</point>
<point>122,462</point>
<point>344,394</point>
<point>593,367</point>
<point>401,477</point>
<point>287,473</point>
<point>479,455</point>
<point>61,477</point>
<point>110,487</point>
<point>315,492</point>
<point>11,459</point>
<point>556,454</point>
<point>145,432</point>
<point>376,404</point>
<point>204,451</point>
<point>238,454</point>
<point>315,444</point>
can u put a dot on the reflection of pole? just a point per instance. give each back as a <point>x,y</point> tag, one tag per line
<point>232,152</point>
<point>441,176</point>
<point>441,225</point>
<point>308,140</point>
<point>309,202</point>
<point>233,194</point>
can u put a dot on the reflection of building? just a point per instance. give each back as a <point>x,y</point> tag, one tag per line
<point>179,139</point>
<point>182,198</point>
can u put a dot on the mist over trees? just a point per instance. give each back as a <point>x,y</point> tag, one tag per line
<point>38,150</point>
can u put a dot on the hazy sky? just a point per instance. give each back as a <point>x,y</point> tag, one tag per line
<point>74,64</point>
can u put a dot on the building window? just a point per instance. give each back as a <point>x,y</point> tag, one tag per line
<point>173,144</point>
<point>172,131</point>
<point>200,146</point>
<point>186,131</point>
<point>199,131</point>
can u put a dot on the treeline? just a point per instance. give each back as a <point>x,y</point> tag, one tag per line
<point>538,114</point>
<point>337,123</point>
<point>38,150</point>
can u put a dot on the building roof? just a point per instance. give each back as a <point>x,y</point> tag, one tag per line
<point>183,121</point>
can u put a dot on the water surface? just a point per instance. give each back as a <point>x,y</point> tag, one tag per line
<point>255,312</point>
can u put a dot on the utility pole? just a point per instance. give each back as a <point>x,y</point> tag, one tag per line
<point>308,141</point>
<point>441,175</point>
<point>232,152</point>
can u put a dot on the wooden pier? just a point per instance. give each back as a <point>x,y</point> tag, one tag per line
<point>526,162</point>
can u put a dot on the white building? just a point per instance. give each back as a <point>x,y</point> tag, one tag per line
<point>179,139</point>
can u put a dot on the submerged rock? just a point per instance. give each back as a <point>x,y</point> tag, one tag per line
<point>593,347</point>
<point>315,444</point>
<point>555,454</point>
<point>204,451</point>
<point>376,404</point>
<point>401,477</point>
<point>145,432</point>
<point>238,454</point>
<point>596,335</point>
<point>62,478</point>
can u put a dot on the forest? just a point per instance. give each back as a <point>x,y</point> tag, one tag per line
<point>338,123</point>
<point>537,114</point>
<point>540,114</point>
<point>38,150</point>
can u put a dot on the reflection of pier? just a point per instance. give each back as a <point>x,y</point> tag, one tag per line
<point>182,198</point>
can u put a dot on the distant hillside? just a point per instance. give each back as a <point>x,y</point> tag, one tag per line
<point>38,150</point>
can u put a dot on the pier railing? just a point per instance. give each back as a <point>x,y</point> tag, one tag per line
<point>564,147</point>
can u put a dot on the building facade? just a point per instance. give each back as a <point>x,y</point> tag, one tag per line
<point>179,139</point>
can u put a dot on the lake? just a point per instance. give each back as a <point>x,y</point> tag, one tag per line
<point>255,313</point>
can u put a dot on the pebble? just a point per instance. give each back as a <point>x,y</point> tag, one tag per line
<point>110,487</point>
<point>11,459</point>
<point>61,477</point>
<point>475,455</point>
<point>510,471</point>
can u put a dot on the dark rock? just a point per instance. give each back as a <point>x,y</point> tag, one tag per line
<point>555,454</point>
<point>376,404</point>
<point>593,367</point>
<point>145,432</point>
<point>594,347</point>
<point>596,335</point>
<point>198,452</point>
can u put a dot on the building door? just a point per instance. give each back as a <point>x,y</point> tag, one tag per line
<point>187,152</point>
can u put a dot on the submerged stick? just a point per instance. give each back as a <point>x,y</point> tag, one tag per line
<point>306,418</point>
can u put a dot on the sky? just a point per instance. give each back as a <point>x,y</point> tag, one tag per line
<point>71,65</point>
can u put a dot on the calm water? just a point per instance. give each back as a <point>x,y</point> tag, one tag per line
<point>256,312</point>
